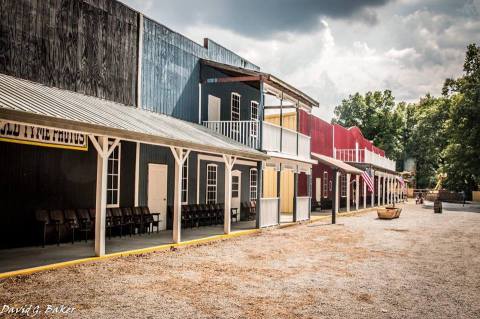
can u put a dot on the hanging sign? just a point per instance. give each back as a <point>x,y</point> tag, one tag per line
<point>42,136</point>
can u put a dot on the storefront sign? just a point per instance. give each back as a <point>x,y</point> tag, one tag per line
<point>42,136</point>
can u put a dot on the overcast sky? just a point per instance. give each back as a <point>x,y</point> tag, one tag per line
<point>333,48</point>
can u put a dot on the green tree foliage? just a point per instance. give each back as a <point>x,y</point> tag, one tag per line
<point>441,133</point>
<point>377,117</point>
<point>462,155</point>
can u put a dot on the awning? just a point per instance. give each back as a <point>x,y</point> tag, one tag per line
<point>335,163</point>
<point>265,77</point>
<point>32,103</point>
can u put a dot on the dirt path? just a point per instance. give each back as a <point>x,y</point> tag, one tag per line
<point>419,266</point>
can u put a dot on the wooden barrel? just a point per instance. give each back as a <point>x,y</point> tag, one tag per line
<point>437,207</point>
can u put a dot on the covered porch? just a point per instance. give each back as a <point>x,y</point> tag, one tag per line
<point>98,127</point>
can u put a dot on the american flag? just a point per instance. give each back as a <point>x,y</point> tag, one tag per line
<point>401,181</point>
<point>368,179</point>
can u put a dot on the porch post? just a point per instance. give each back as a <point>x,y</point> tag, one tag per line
<point>295,195</point>
<point>101,197</point>
<point>378,191</point>
<point>373,188</point>
<point>337,193</point>
<point>229,162</point>
<point>357,192</point>
<point>364,194</point>
<point>388,190</point>
<point>258,205</point>
<point>279,176</point>
<point>348,192</point>
<point>334,199</point>
<point>383,190</point>
<point>309,189</point>
<point>180,157</point>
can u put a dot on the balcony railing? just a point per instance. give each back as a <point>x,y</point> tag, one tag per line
<point>245,132</point>
<point>284,140</point>
<point>275,138</point>
<point>364,156</point>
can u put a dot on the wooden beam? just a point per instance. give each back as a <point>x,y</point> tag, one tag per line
<point>233,79</point>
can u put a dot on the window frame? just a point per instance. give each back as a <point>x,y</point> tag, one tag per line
<point>325,184</point>
<point>235,94</point>
<point>185,178</point>
<point>207,184</point>
<point>117,149</point>
<point>343,185</point>
<point>251,186</point>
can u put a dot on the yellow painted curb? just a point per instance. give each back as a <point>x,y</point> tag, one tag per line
<point>29,271</point>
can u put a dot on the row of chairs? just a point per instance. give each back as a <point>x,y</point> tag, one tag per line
<point>133,219</point>
<point>196,215</point>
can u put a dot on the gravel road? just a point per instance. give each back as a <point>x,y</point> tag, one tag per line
<point>421,265</point>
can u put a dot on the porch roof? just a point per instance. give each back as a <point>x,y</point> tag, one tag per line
<point>335,163</point>
<point>265,77</point>
<point>33,103</point>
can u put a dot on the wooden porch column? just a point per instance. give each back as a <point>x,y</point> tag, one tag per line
<point>295,195</point>
<point>180,156</point>
<point>357,192</point>
<point>348,192</point>
<point>229,162</point>
<point>388,190</point>
<point>373,188</point>
<point>337,192</point>
<point>383,190</point>
<point>364,194</point>
<point>378,191</point>
<point>279,176</point>
<point>309,190</point>
<point>103,152</point>
<point>258,205</point>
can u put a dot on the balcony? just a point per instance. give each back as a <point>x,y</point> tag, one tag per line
<point>275,138</point>
<point>364,156</point>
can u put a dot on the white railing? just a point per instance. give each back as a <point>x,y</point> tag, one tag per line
<point>269,212</point>
<point>273,134</point>
<point>271,137</point>
<point>245,132</point>
<point>289,141</point>
<point>303,204</point>
<point>364,156</point>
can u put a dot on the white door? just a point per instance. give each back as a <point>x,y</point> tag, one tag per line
<point>318,189</point>
<point>157,191</point>
<point>236,190</point>
<point>213,108</point>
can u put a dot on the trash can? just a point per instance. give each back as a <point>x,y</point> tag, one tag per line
<point>437,206</point>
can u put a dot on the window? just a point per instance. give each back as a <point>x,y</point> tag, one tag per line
<point>235,184</point>
<point>330,185</point>
<point>253,184</point>
<point>211,184</point>
<point>343,185</point>
<point>325,185</point>
<point>113,178</point>
<point>235,114</point>
<point>185,182</point>
<point>253,126</point>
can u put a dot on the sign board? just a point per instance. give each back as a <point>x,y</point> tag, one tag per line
<point>42,136</point>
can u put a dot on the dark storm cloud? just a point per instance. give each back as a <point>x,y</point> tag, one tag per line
<point>263,18</point>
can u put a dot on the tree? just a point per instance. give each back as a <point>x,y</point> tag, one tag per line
<point>377,117</point>
<point>462,155</point>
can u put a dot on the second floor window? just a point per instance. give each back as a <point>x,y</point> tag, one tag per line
<point>235,109</point>
<point>253,126</point>
<point>113,178</point>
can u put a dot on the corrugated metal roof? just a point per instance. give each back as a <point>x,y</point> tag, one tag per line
<point>335,163</point>
<point>30,102</point>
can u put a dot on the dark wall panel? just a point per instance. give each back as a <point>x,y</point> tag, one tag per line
<point>88,46</point>
<point>224,91</point>
<point>127,174</point>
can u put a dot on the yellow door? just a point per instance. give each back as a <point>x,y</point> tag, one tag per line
<point>286,191</point>
<point>269,183</point>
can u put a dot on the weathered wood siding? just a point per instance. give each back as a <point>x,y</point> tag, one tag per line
<point>218,53</point>
<point>87,46</point>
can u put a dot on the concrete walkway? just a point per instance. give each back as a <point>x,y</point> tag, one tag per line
<point>29,257</point>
